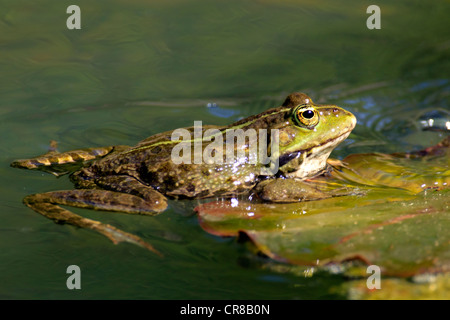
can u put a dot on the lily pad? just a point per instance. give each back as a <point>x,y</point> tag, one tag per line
<point>396,216</point>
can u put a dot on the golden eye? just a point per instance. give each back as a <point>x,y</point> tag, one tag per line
<point>306,116</point>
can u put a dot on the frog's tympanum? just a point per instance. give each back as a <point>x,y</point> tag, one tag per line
<point>139,179</point>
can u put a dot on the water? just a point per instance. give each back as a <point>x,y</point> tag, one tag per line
<point>138,68</point>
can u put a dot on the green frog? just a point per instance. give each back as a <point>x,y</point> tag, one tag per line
<point>140,179</point>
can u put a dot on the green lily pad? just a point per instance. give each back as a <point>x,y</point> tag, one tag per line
<point>396,216</point>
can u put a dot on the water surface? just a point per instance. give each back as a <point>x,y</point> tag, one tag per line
<point>138,67</point>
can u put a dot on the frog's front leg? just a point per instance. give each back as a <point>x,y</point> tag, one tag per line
<point>146,201</point>
<point>289,190</point>
<point>295,190</point>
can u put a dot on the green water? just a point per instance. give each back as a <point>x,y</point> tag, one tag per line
<point>140,67</point>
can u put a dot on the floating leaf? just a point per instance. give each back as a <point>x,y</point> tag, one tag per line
<point>394,220</point>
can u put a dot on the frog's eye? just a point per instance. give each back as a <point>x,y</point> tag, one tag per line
<point>306,116</point>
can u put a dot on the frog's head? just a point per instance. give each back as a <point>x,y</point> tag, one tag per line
<point>308,134</point>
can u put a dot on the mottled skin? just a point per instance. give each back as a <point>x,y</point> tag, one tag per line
<point>138,179</point>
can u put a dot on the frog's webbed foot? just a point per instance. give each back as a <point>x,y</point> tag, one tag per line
<point>48,203</point>
<point>61,163</point>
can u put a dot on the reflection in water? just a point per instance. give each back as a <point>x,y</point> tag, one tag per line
<point>435,120</point>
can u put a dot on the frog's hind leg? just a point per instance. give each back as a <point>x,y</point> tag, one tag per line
<point>58,163</point>
<point>48,203</point>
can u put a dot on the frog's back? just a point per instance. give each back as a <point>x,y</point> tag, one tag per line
<point>199,180</point>
<point>151,161</point>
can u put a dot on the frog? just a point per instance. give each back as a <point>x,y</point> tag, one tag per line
<point>141,179</point>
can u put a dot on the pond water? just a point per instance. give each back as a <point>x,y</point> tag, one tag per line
<point>136,68</point>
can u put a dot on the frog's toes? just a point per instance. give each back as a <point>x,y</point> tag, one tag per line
<point>117,236</point>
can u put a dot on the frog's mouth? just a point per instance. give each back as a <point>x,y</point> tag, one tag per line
<point>309,162</point>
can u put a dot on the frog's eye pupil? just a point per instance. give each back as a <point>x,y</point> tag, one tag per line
<point>308,114</point>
